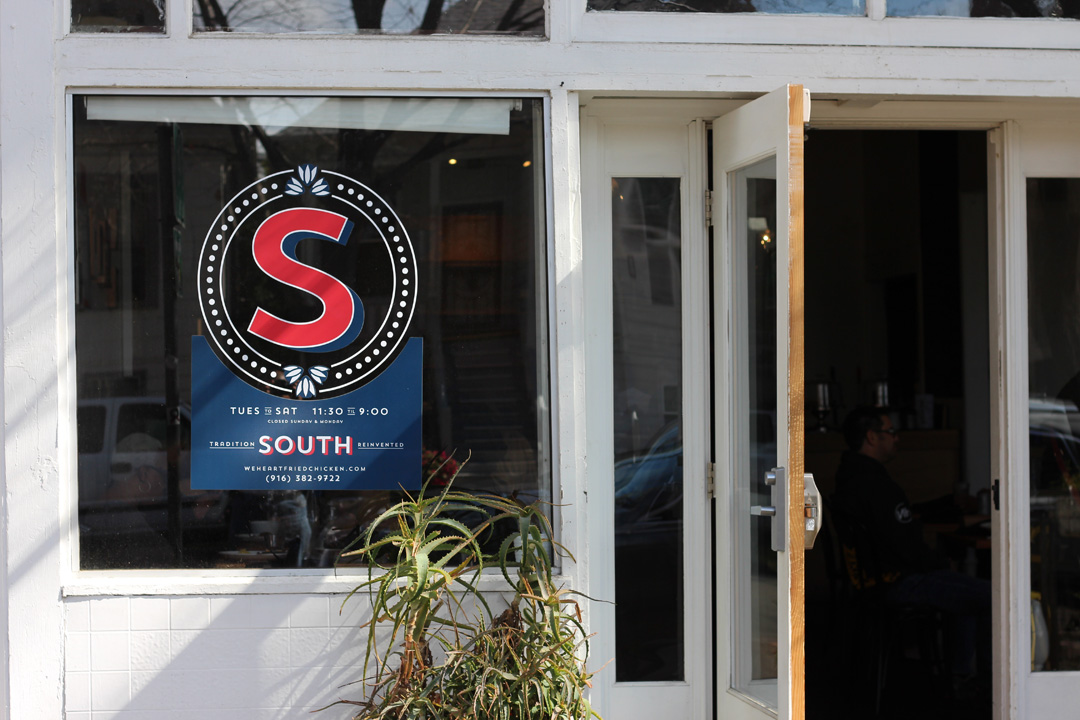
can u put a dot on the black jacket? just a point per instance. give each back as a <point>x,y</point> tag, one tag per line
<point>865,494</point>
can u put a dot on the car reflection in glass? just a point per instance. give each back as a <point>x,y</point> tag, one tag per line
<point>648,534</point>
<point>1054,425</point>
<point>123,485</point>
<point>648,487</point>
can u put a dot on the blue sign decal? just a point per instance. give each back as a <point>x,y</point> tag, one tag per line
<point>245,439</point>
<point>299,382</point>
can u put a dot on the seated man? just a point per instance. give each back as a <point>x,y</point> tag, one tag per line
<point>912,572</point>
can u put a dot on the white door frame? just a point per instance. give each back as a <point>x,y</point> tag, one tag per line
<point>1030,148</point>
<point>648,139</point>
<point>1008,360</point>
<point>1024,139</point>
<point>1017,692</point>
<point>1008,420</point>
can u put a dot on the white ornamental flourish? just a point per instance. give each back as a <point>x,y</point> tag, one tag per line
<point>308,180</point>
<point>305,387</point>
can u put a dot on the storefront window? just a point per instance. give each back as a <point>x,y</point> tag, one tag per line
<point>464,176</point>
<point>91,16</point>
<point>400,17</point>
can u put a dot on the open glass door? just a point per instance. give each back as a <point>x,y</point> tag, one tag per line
<point>758,329</point>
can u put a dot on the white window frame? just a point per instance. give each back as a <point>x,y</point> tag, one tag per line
<point>569,20</point>
<point>180,22</point>
<point>81,582</point>
<point>874,29</point>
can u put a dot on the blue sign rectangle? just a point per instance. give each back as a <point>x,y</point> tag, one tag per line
<point>244,439</point>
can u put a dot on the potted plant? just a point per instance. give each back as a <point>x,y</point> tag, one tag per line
<point>448,654</point>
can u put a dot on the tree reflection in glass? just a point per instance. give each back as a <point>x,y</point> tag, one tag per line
<point>417,17</point>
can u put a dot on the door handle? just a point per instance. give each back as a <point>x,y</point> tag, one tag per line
<point>776,512</point>
<point>774,479</point>
<point>811,510</point>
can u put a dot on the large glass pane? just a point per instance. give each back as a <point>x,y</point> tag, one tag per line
<point>416,17</point>
<point>984,8</point>
<point>779,7</point>
<point>466,178</point>
<point>646,275</point>
<point>89,16</point>
<point>1053,212</point>
<point>755,432</point>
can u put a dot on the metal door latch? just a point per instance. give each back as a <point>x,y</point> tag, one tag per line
<point>777,511</point>
<point>811,510</point>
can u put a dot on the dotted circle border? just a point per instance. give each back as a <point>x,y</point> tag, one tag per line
<point>365,362</point>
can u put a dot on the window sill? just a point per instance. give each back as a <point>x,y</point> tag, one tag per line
<point>106,583</point>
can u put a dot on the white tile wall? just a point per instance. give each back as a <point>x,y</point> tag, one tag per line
<point>245,657</point>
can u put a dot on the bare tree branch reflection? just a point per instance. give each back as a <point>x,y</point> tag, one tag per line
<point>419,17</point>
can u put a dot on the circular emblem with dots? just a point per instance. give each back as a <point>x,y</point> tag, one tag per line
<point>307,284</point>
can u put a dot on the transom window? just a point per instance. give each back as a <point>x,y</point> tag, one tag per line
<point>401,17</point>
<point>893,8</point>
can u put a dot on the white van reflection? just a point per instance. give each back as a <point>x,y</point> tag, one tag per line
<point>123,470</point>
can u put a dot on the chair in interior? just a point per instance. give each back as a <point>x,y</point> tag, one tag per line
<point>877,629</point>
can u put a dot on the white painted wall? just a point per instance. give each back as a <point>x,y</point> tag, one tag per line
<point>30,481</point>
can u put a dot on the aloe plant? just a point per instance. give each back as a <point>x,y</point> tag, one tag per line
<point>447,656</point>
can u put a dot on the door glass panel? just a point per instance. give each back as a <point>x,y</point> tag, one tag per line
<point>756,405</point>
<point>1053,212</point>
<point>646,276</point>
<point>982,8</point>
<point>776,7</point>
<point>397,17</point>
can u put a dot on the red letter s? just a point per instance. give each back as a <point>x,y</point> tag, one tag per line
<point>274,250</point>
